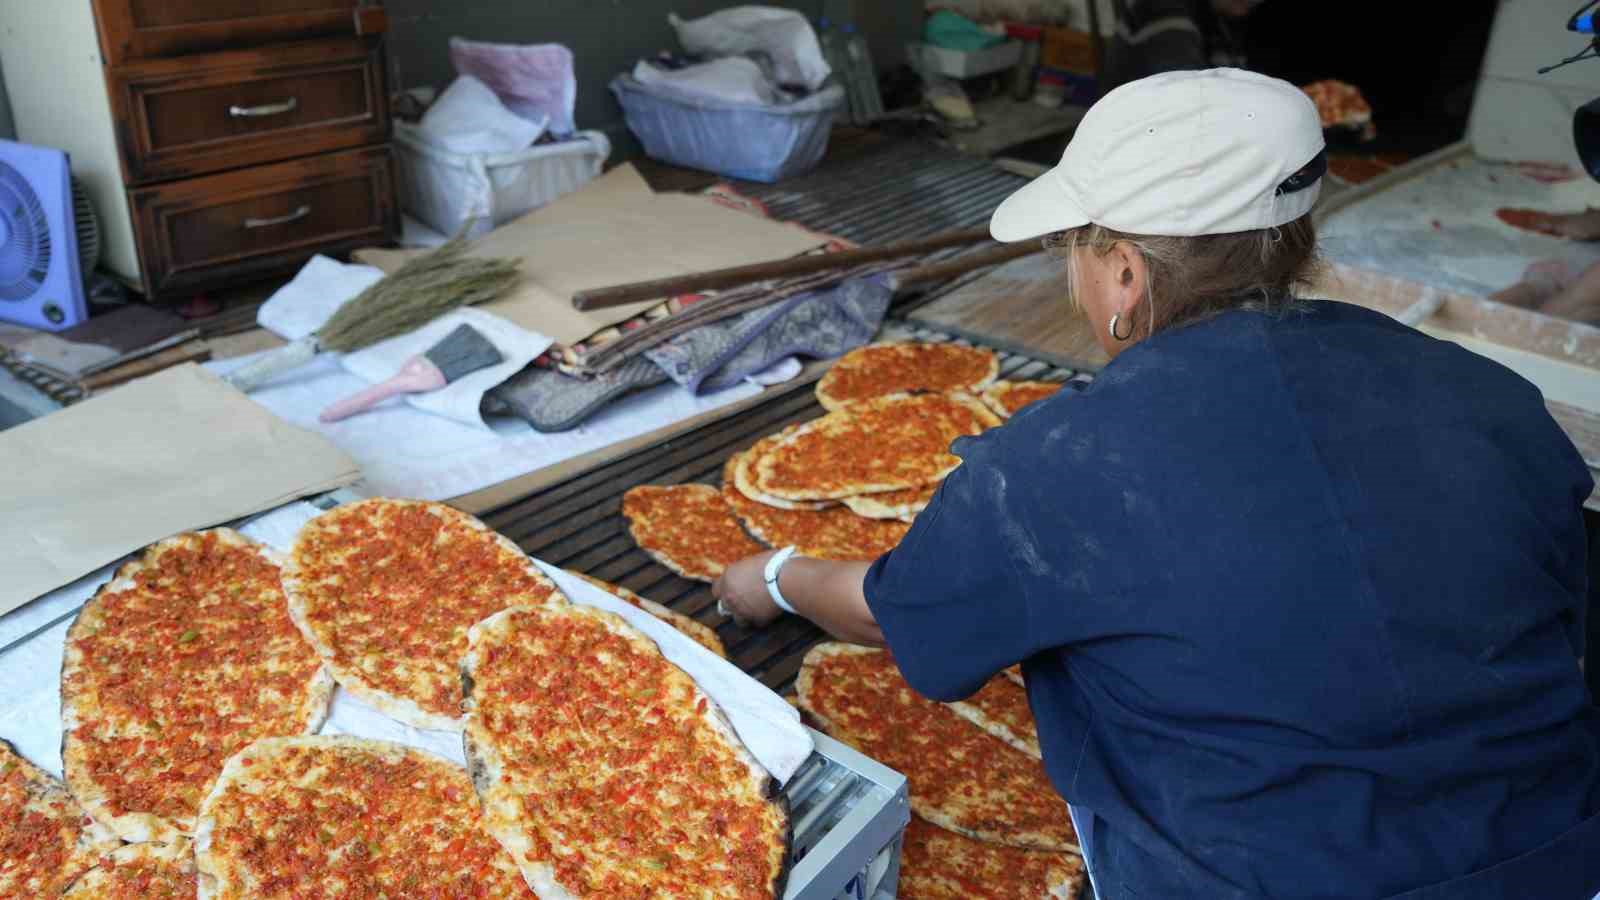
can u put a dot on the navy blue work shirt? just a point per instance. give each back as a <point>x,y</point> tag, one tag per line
<point>1299,600</point>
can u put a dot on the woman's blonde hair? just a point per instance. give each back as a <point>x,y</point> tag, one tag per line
<point>1193,278</point>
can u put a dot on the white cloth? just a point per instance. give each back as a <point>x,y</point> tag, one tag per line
<point>734,80</point>
<point>404,452</point>
<point>315,293</point>
<point>470,118</point>
<point>459,400</point>
<point>784,35</point>
<point>305,303</point>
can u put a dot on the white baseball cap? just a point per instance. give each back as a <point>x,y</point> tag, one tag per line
<point>1180,154</point>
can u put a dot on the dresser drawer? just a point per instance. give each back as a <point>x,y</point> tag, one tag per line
<point>178,118</point>
<point>148,29</point>
<point>257,222</point>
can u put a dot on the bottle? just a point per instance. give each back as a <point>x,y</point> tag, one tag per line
<point>838,60</point>
<point>866,102</point>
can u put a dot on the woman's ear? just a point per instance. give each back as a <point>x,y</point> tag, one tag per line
<point>1129,276</point>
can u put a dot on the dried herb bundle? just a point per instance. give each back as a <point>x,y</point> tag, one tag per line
<point>415,294</point>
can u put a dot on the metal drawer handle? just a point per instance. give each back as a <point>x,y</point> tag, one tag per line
<point>295,216</point>
<point>269,109</point>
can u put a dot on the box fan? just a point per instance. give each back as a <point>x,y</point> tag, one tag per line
<point>49,239</point>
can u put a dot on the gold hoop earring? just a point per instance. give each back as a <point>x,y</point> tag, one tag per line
<point>1112,327</point>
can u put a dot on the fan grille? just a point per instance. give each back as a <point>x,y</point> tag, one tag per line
<point>24,238</point>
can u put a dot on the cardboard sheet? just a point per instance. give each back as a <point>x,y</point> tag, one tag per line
<point>178,450</point>
<point>615,230</point>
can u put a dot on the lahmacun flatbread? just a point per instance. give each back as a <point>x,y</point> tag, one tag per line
<point>1007,398</point>
<point>936,864</point>
<point>744,475</point>
<point>903,505</point>
<point>606,772</point>
<point>186,655</point>
<point>46,840</point>
<point>385,591</point>
<point>687,528</point>
<point>703,635</point>
<point>885,444</point>
<point>878,370</point>
<point>329,816</point>
<point>1001,708</point>
<point>834,533</point>
<point>140,871</point>
<point>960,778</point>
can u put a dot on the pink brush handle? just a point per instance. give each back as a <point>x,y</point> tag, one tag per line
<point>416,376</point>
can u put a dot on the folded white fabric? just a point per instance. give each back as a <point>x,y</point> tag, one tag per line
<point>735,80</point>
<point>470,118</point>
<point>321,287</point>
<point>460,399</point>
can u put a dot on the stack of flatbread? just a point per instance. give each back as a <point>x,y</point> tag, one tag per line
<point>194,683</point>
<point>845,486</point>
<point>987,822</point>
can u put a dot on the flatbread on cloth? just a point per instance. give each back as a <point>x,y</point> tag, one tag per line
<point>834,533</point>
<point>688,528</point>
<point>606,772</point>
<point>1001,708</point>
<point>961,779</point>
<point>885,444</point>
<point>140,871</point>
<point>187,654</point>
<point>46,841</point>
<point>936,864</point>
<point>703,635</point>
<point>346,817</point>
<point>744,475</point>
<point>877,370</point>
<point>1007,398</point>
<point>385,590</point>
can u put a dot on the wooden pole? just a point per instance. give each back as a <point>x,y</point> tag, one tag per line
<point>622,294</point>
<point>963,264</point>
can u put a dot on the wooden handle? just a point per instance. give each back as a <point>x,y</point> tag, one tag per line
<point>415,377</point>
<point>660,288</point>
<point>963,264</point>
<point>284,359</point>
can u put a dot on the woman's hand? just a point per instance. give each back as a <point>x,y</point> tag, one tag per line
<point>741,592</point>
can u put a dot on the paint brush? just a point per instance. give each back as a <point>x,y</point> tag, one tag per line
<point>461,352</point>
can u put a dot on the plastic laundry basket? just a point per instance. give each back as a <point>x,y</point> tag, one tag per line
<point>745,141</point>
<point>446,190</point>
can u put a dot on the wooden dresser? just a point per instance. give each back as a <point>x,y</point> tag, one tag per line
<point>219,140</point>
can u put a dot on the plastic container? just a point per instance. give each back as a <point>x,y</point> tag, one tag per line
<point>744,141</point>
<point>446,190</point>
<point>965,64</point>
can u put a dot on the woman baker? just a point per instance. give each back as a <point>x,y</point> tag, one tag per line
<point>1297,590</point>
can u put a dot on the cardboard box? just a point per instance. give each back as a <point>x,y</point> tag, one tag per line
<point>1068,50</point>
